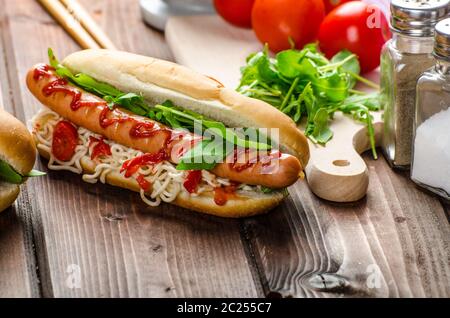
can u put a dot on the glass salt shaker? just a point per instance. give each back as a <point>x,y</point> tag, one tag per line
<point>403,59</point>
<point>431,144</point>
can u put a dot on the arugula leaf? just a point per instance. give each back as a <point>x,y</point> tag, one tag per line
<point>218,140</point>
<point>131,101</point>
<point>371,101</point>
<point>350,65</point>
<point>82,80</point>
<point>321,133</point>
<point>202,156</point>
<point>94,86</point>
<point>360,107</point>
<point>195,166</point>
<point>332,86</point>
<point>288,63</point>
<point>266,190</point>
<point>35,173</point>
<point>213,127</point>
<point>265,67</point>
<point>8,174</point>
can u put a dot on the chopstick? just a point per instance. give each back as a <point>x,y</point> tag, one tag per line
<point>88,23</point>
<point>78,23</point>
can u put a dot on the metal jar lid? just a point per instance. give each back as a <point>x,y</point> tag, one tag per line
<point>417,17</point>
<point>442,40</point>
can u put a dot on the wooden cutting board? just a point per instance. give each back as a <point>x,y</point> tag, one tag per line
<point>212,47</point>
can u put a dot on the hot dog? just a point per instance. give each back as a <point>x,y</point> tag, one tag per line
<point>99,122</point>
<point>94,112</point>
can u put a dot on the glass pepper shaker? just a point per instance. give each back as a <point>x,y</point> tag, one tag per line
<point>403,59</point>
<point>431,144</point>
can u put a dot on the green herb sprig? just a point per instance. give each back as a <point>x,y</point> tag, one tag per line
<point>304,84</point>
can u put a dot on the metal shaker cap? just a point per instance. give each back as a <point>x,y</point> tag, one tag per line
<point>417,17</point>
<point>442,39</point>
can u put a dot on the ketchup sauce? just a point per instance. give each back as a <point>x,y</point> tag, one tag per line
<point>223,194</point>
<point>143,183</point>
<point>144,130</point>
<point>244,159</point>
<point>248,162</point>
<point>132,166</point>
<point>100,149</point>
<point>61,85</point>
<point>106,121</point>
<point>192,181</point>
<point>42,70</point>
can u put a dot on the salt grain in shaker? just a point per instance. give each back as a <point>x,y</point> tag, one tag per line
<point>431,152</point>
<point>404,58</point>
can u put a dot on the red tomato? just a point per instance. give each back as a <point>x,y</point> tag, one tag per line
<point>275,21</point>
<point>65,140</point>
<point>331,4</point>
<point>357,27</point>
<point>236,12</point>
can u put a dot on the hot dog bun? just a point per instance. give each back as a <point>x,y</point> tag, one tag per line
<point>16,149</point>
<point>245,204</point>
<point>160,80</point>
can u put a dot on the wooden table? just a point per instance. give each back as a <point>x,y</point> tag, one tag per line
<point>393,243</point>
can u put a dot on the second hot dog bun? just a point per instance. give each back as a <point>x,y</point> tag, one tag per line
<point>17,149</point>
<point>159,80</point>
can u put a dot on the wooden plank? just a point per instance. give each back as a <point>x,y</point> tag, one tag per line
<point>18,277</point>
<point>16,273</point>
<point>393,243</point>
<point>105,236</point>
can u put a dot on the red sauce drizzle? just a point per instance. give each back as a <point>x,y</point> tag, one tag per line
<point>252,158</point>
<point>144,130</point>
<point>235,165</point>
<point>267,159</point>
<point>143,183</point>
<point>223,194</point>
<point>61,85</point>
<point>100,149</point>
<point>192,180</point>
<point>106,121</point>
<point>132,166</point>
<point>42,70</point>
